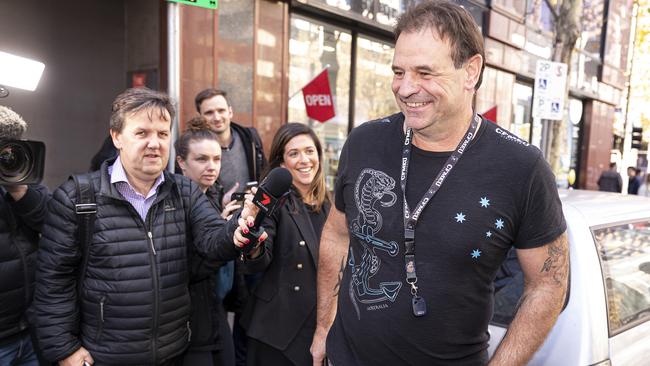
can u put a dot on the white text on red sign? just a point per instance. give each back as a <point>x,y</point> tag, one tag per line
<point>318,99</point>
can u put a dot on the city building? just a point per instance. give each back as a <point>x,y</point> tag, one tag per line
<point>262,52</point>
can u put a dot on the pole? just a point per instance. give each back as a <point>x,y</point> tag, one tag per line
<point>628,157</point>
<point>173,72</point>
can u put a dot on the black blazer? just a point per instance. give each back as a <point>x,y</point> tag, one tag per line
<point>286,297</point>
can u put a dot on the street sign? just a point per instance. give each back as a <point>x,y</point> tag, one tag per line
<point>550,86</point>
<point>209,4</point>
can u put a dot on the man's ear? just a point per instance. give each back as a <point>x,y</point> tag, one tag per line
<point>473,68</point>
<point>230,112</point>
<point>115,136</point>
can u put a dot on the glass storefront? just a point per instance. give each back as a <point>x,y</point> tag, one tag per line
<point>569,148</point>
<point>313,47</point>
<point>383,12</point>
<point>374,98</point>
<point>522,101</point>
<point>496,91</point>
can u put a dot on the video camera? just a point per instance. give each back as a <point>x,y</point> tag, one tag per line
<point>21,161</point>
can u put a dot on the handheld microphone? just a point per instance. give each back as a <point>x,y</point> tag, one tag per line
<point>268,198</point>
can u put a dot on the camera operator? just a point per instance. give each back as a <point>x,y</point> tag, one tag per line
<point>21,217</point>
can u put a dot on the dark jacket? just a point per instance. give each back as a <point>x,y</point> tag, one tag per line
<point>633,184</point>
<point>254,150</point>
<point>610,181</point>
<point>134,304</point>
<point>20,224</point>
<point>284,303</point>
<point>207,311</point>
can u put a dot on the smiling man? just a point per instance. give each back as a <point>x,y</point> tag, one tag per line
<point>428,203</point>
<point>124,299</point>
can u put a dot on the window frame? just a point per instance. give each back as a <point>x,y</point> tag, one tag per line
<point>612,333</point>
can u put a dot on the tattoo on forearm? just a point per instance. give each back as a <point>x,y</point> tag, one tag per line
<point>337,287</point>
<point>555,264</point>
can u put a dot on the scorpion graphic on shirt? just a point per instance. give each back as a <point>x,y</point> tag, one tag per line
<point>372,188</point>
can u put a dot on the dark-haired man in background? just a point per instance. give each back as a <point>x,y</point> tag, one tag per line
<point>610,180</point>
<point>242,154</point>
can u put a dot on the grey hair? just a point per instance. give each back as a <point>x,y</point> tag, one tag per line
<point>12,125</point>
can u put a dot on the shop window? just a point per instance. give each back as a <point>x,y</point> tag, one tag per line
<point>516,8</point>
<point>568,147</point>
<point>313,47</point>
<point>478,12</point>
<point>522,102</point>
<point>539,16</point>
<point>374,98</point>
<point>625,263</point>
<point>380,11</point>
<point>618,30</point>
<point>496,90</point>
<point>591,30</point>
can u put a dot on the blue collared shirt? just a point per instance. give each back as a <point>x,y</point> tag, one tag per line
<point>141,203</point>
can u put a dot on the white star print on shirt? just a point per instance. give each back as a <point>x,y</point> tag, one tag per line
<point>499,224</point>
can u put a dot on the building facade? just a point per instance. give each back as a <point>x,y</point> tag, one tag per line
<point>262,52</point>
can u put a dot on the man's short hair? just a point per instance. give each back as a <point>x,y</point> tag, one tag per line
<point>134,100</point>
<point>12,125</point>
<point>207,94</point>
<point>452,22</point>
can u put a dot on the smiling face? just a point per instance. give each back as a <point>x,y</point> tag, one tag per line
<point>143,144</point>
<point>217,112</point>
<point>203,162</point>
<point>301,159</point>
<point>427,86</point>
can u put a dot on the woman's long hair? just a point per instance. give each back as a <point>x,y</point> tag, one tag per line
<point>317,193</point>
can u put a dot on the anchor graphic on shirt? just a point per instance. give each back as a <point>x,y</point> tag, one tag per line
<point>372,188</point>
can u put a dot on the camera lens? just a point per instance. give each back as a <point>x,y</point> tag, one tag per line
<point>15,162</point>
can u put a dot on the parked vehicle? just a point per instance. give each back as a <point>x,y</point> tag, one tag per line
<point>606,319</point>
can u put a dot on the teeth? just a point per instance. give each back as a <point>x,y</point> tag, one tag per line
<point>415,105</point>
<point>304,170</point>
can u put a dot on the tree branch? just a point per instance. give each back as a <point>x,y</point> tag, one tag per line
<point>552,9</point>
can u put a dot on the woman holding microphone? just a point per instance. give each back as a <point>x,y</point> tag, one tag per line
<point>280,319</point>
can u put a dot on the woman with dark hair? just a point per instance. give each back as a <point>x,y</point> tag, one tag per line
<point>198,154</point>
<point>280,318</point>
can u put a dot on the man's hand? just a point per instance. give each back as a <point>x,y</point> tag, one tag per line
<point>78,358</point>
<point>317,348</point>
<point>16,192</point>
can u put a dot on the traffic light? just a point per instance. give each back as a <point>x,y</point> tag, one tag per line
<point>637,136</point>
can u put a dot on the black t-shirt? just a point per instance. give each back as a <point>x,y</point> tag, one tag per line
<point>500,194</point>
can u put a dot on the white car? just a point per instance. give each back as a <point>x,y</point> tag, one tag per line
<point>606,320</point>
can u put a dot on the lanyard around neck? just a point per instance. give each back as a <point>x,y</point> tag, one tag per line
<point>411,218</point>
